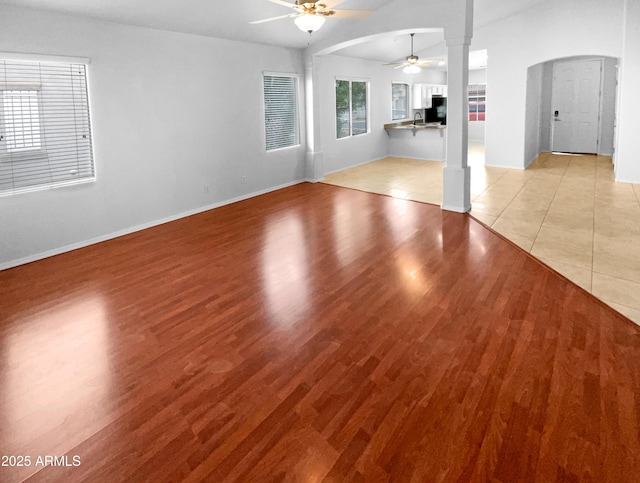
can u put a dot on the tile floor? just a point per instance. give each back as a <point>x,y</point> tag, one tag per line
<point>566,210</point>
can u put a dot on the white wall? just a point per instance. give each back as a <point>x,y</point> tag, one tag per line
<point>627,158</point>
<point>607,121</point>
<point>546,106</point>
<point>547,31</point>
<point>533,113</point>
<point>352,151</point>
<point>170,113</point>
<point>425,76</point>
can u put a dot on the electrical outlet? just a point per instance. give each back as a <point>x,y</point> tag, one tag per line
<point>205,188</point>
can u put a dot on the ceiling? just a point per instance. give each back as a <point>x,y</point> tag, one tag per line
<point>230,19</point>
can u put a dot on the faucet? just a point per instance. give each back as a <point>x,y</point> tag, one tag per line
<point>414,117</point>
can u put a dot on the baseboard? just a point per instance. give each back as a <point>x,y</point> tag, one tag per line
<point>144,226</point>
<point>455,208</point>
<point>415,157</point>
<point>625,180</point>
<point>521,168</point>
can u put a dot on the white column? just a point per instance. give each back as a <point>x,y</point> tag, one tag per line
<point>456,180</point>
<point>314,158</point>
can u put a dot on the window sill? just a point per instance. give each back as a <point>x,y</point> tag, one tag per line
<point>43,187</point>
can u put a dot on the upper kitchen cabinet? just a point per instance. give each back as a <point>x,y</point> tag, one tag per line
<point>422,94</point>
<point>439,90</point>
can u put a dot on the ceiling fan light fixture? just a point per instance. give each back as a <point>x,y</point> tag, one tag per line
<point>309,23</point>
<point>411,69</point>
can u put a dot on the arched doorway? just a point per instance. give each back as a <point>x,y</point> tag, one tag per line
<point>557,86</point>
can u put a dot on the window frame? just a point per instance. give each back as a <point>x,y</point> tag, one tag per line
<point>408,100</point>
<point>297,134</point>
<point>351,80</point>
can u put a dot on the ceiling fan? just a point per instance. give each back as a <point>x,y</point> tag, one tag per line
<point>413,63</point>
<point>310,15</point>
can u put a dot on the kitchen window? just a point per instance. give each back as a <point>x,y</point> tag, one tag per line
<point>399,101</point>
<point>282,129</point>
<point>351,107</point>
<point>477,96</point>
<point>45,130</point>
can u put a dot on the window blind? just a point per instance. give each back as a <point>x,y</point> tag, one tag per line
<point>45,130</point>
<point>281,111</point>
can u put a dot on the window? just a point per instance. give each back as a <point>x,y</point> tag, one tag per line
<point>21,120</point>
<point>351,108</point>
<point>399,101</point>
<point>45,132</point>
<point>281,111</point>
<point>476,102</point>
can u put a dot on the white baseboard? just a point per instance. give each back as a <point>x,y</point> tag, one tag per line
<point>415,157</point>
<point>521,168</point>
<point>624,180</point>
<point>456,209</point>
<point>144,226</point>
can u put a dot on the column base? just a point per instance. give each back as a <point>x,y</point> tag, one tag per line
<point>315,166</point>
<point>456,189</point>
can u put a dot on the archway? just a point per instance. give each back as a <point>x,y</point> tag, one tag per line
<point>539,118</point>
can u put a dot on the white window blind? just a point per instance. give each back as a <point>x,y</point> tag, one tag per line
<point>281,111</point>
<point>45,131</point>
<point>21,120</point>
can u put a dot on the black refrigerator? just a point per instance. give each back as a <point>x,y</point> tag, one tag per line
<point>438,110</point>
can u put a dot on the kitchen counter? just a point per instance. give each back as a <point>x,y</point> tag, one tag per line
<point>414,126</point>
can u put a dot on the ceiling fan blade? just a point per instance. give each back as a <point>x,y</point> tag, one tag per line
<point>272,18</point>
<point>351,13</point>
<point>284,4</point>
<point>330,3</point>
<point>395,63</point>
<point>427,62</point>
<point>402,65</point>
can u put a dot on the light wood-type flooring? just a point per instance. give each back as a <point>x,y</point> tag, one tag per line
<point>316,333</point>
<point>566,210</point>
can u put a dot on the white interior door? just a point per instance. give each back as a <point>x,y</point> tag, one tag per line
<point>576,105</point>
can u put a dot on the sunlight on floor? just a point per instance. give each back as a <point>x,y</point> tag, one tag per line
<point>565,210</point>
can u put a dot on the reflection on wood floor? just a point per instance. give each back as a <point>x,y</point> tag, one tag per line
<point>567,210</point>
<point>314,334</point>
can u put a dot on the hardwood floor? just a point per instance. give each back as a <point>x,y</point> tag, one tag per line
<point>567,210</point>
<point>316,333</point>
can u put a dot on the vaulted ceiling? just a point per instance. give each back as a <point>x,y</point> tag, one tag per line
<point>230,19</point>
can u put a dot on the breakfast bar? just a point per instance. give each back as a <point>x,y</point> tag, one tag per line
<point>422,140</point>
